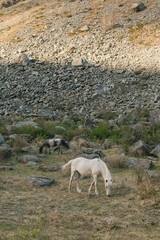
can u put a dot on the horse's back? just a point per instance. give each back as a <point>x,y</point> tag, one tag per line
<point>86,166</point>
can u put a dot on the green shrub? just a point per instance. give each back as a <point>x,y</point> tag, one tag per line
<point>100,132</point>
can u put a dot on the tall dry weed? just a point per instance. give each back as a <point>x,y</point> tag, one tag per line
<point>116,160</point>
<point>147,188</point>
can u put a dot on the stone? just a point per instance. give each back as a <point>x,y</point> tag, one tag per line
<point>152,174</point>
<point>139,148</point>
<point>156,151</point>
<point>31,164</point>
<point>60,128</point>
<point>50,168</point>
<point>26,123</point>
<point>138,7</point>
<point>1,139</point>
<point>154,116</point>
<point>5,168</point>
<point>79,62</point>
<point>23,59</point>
<point>87,150</point>
<point>100,153</point>
<point>5,151</point>
<point>39,181</point>
<point>139,163</point>
<point>28,158</point>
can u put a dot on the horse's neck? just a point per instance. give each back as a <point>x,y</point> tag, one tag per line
<point>105,171</point>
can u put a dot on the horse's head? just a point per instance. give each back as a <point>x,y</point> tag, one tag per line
<point>108,185</point>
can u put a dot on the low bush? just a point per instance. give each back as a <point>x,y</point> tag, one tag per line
<point>116,161</point>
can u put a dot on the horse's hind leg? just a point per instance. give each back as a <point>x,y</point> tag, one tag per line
<point>71,179</point>
<point>78,177</point>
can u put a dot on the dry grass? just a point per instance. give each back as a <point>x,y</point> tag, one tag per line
<point>116,160</point>
<point>52,213</point>
<point>19,143</point>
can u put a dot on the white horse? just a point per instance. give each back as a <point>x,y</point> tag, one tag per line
<point>87,167</point>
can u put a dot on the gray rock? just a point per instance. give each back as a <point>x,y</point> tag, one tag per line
<point>139,163</point>
<point>138,7</point>
<point>31,164</point>
<point>50,168</point>
<point>156,151</point>
<point>39,181</point>
<point>100,153</point>
<point>139,148</point>
<point>79,62</point>
<point>1,139</point>
<point>23,59</point>
<point>152,174</point>
<point>5,151</point>
<point>154,116</point>
<point>26,123</point>
<point>87,150</point>
<point>61,128</point>
<point>106,144</point>
<point>28,158</point>
<point>5,168</point>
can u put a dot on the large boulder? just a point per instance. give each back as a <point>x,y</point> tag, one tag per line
<point>156,151</point>
<point>139,148</point>
<point>139,163</point>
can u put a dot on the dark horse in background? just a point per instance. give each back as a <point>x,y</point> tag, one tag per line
<point>57,143</point>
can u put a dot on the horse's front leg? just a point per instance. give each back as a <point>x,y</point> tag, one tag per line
<point>90,188</point>
<point>78,177</point>
<point>95,183</point>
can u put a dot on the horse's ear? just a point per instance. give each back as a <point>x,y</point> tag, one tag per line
<point>106,180</point>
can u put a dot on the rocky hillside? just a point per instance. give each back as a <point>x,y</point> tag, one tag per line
<point>66,57</point>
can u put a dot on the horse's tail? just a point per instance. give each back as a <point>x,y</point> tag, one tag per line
<point>66,165</point>
<point>65,144</point>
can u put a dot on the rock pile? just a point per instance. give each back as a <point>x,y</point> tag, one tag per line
<point>62,70</point>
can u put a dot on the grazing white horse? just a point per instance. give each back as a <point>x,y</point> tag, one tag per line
<point>87,167</point>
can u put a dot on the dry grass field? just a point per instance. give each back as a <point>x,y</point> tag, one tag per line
<point>51,213</point>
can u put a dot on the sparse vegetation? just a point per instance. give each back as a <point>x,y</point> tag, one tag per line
<point>148,188</point>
